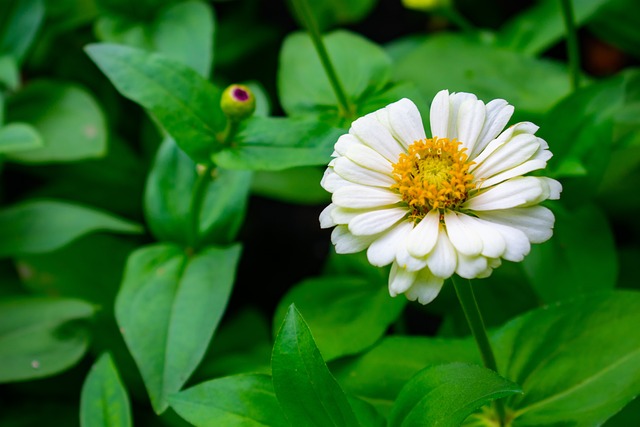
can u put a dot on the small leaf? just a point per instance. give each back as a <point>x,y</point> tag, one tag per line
<point>184,103</point>
<point>104,401</point>
<point>306,390</point>
<point>39,226</point>
<point>360,312</point>
<point>9,73</point>
<point>268,143</point>
<point>445,395</point>
<point>21,20</point>
<point>67,117</point>
<point>18,137</point>
<point>238,401</point>
<point>168,308</point>
<point>39,338</point>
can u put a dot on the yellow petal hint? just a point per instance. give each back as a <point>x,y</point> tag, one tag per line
<point>433,174</point>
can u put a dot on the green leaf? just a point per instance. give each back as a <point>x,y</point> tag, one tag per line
<point>184,103</point>
<point>18,137</point>
<point>38,226</point>
<point>570,265</point>
<point>360,312</point>
<point>617,23</point>
<point>460,64</point>
<point>541,26</point>
<point>362,67</point>
<point>67,117</point>
<point>183,32</point>
<point>578,363</point>
<point>19,24</point>
<point>268,143</point>
<point>445,395</point>
<point>40,337</point>
<point>168,308</point>
<point>9,73</point>
<point>237,401</point>
<point>306,390</point>
<point>169,193</point>
<point>296,185</point>
<point>104,401</point>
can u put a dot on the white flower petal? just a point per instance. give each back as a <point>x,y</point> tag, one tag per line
<point>509,194</point>
<point>518,245</point>
<point>344,142</point>
<point>400,280</point>
<point>464,239</point>
<point>513,153</point>
<point>361,196</point>
<point>369,158</point>
<point>534,221</point>
<point>503,138</point>
<point>554,188</point>
<point>455,102</point>
<point>372,133</point>
<point>425,287</point>
<point>357,174</point>
<point>347,243</point>
<point>497,117</point>
<point>470,267</point>
<point>424,235</point>
<point>439,114</point>
<point>520,170</point>
<point>406,122</point>
<point>326,221</point>
<point>470,121</point>
<point>345,215</point>
<point>493,244</point>
<point>331,181</point>
<point>405,260</point>
<point>383,251</point>
<point>442,261</point>
<point>375,222</point>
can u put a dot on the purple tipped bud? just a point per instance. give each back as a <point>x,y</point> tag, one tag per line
<point>238,102</point>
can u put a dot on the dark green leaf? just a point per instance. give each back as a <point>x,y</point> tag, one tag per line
<point>40,337</point>
<point>169,192</point>
<point>168,308</point>
<point>18,137</point>
<point>38,226</point>
<point>460,64</point>
<point>19,24</point>
<point>617,23</point>
<point>185,104</point>
<point>104,401</point>
<point>360,312</point>
<point>330,13</point>
<point>445,395</point>
<point>579,259</point>
<point>268,143</point>
<point>296,185</point>
<point>237,401</point>
<point>306,390</point>
<point>67,117</point>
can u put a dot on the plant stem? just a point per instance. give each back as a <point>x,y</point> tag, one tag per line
<point>476,324</point>
<point>452,14</point>
<point>572,43</point>
<point>306,15</point>
<point>197,198</point>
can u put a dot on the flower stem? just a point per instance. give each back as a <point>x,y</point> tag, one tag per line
<point>303,11</point>
<point>197,199</point>
<point>476,324</point>
<point>572,43</point>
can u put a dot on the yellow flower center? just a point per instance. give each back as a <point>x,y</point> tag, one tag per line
<point>434,174</point>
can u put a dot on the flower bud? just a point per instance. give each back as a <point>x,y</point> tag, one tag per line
<point>237,102</point>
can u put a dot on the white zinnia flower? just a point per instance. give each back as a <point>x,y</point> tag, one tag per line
<point>454,203</point>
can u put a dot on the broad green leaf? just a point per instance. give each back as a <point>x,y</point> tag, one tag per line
<point>568,264</point>
<point>168,308</point>
<point>617,23</point>
<point>38,226</point>
<point>40,337</point>
<point>185,104</point>
<point>169,192</point>
<point>346,314</point>
<point>445,395</point>
<point>18,137</point>
<point>578,363</point>
<point>9,73</point>
<point>362,67</point>
<point>104,401</point>
<point>540,27</point>
<point>68,118</point>
<point>328,13</point>
<point>366,413</point>
<point>460,64</point>
<point>237,401</point>
<point>296,185</point>
<point>306,390</point>
<point>19,24</point>
<point>183,32</point>
<point>379,374</point>
<point>269,143</point>
<point>629,416</point>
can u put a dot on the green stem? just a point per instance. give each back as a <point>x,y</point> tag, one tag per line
<point>476,324</point>
<point>572,43</point>
<point>452,14</point>
<point>306,15</point>
<point>229,132</point>
<point>197,199</point>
